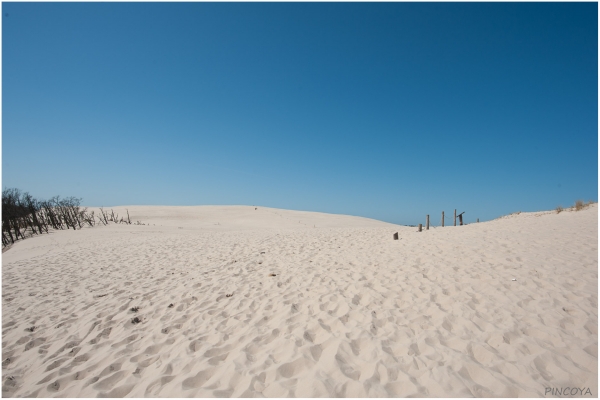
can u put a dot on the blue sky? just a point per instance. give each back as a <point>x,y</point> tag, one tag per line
<point>384,110</point>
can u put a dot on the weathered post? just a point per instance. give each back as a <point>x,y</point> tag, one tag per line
<point>427,226</point>
<point>477,219</point>
<point>442,219</point>
<point>460,218</point>
<point>396,236</point>
<point>420,227</point>
<point>455,217</point>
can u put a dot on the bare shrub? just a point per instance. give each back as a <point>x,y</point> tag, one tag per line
<point>23,216</point>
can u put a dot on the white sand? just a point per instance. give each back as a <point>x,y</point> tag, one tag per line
<point>350,312</point>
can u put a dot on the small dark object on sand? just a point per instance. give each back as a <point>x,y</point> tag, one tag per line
<point>136,320</point>
<point>30,329</point>
<point>171,305</point>
<point>135,309</point>
<point>272,274</point>
<point>229,295</point>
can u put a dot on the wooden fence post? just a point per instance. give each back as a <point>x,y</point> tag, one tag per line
<point>477,219</point>
<point>396,236</point>
<point>420,227</point>
<point>455,217</point>
<point>427,226</point>
<point>442,219</point>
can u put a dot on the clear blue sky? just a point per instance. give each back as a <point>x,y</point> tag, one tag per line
<point>384,110</point>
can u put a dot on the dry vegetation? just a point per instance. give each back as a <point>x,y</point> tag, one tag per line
<point>578,206</point>
<point>24,216</point>
<point>559,209</point>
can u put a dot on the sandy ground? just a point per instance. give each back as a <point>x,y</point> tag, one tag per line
<point>238,301</point>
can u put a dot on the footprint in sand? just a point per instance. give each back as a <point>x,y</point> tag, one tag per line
<point>155,387</point>
<point>316,352</point>
<point>198,380</point>
<point>24,339</point>
<point>56,364</point>
<point>80,359</point>
<point>53,387</point>
<point>110,382</point>
<point>33,343</point>
<point>148,361</point>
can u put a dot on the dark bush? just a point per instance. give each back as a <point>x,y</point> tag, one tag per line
<point>24,216</point>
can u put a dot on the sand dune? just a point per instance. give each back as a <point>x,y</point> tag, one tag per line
<point>228,301</point>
